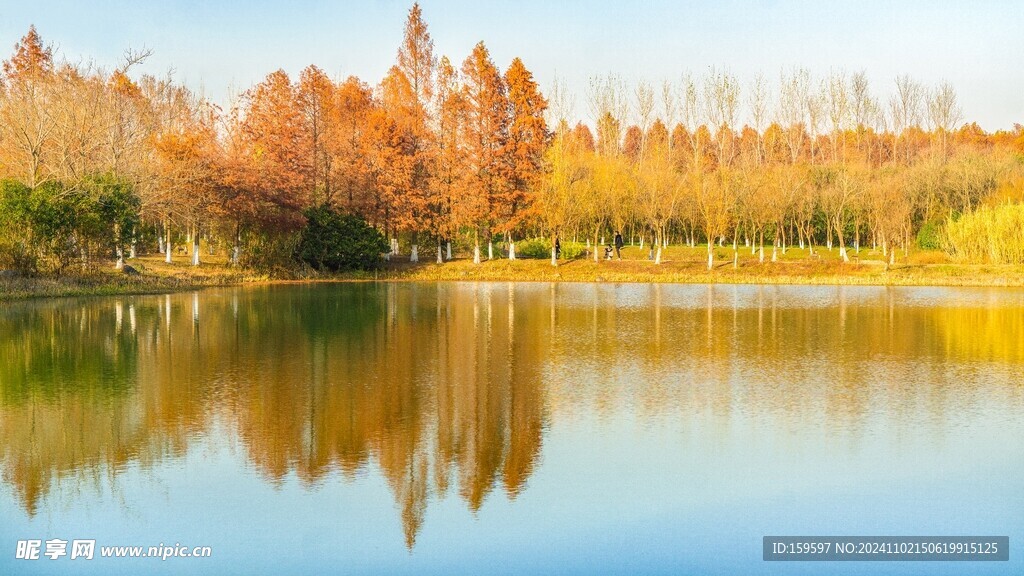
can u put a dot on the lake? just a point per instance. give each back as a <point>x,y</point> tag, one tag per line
<point>510,428</point>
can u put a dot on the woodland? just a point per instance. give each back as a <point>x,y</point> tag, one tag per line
<point>470,160</point>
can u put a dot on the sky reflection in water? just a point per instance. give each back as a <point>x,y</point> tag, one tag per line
<point>510,428</point>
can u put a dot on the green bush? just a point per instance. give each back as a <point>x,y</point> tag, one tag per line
<point>540,248</point>
<point>334,242</point>
<point>929,237</point>
<point>56,223</point>
<point>16,251</point>
<point>271,252</point>
<point>533,248</point>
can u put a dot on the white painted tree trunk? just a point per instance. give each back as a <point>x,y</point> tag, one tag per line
<point>168,246</point>
<point>236,254</point>
<point>657,256</point>
<point>448,248</point>
<point>440,260</point>
<point>476,254</point>
<point>641,241</point>
<point>414,256</point>
<point>131,250</point>
<point>490,250</point>
<point>735,258</point>
<point>160,244</point>
<point>760,255</point>
<point>511,250</point>
<point>842,252</point>
<point>775,253</point>
<point>554,260</point>
<point>195,250</point>
<point>119,265</point>
<point>711,256</point>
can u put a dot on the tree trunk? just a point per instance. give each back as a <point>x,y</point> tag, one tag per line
<point>236,249</point>
<point>440,260</point>
<point>414,255</point>
<point>119,264</point>
<point>167,243</point>
<point>195,248</point>
<point>842,245</point>
<point>490,250</point>
<point>448,249</point>
<point>512,250</point>
<point>711,255</point>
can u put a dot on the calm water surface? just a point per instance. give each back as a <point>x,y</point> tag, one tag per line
<point>510,428</point>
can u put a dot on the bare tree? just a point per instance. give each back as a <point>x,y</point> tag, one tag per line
<point>905,105</point>
<point>860,104</point>
<point>692,114</point>
<point>944,112</point>
<point>794,90</point>
<point>721,101</point>
<point>815,103</point>
<point>758,101</point>
<point>837,101</point>
<point>644,113</point>
<point>609,108</point>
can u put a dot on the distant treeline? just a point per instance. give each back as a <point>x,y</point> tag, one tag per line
<point>99,164</point>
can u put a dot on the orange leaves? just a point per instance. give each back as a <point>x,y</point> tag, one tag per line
<point>31,58</point>
<point>527,141</point>
<point>123,85</point>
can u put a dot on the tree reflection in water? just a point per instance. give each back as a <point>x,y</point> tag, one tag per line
<point>451,386</point>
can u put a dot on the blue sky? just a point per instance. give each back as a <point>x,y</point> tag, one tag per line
<point>222,46</point>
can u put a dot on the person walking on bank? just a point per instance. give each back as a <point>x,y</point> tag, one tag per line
<point>618,245</point>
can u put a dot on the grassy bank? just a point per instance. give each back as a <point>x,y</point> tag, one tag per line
<point>154,277</point>
<point>681,265</point>
<point>689,265</point>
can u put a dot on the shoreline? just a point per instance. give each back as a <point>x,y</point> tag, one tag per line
<point>160,278</point>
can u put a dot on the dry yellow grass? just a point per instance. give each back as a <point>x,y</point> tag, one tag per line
<point>681,265</point>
